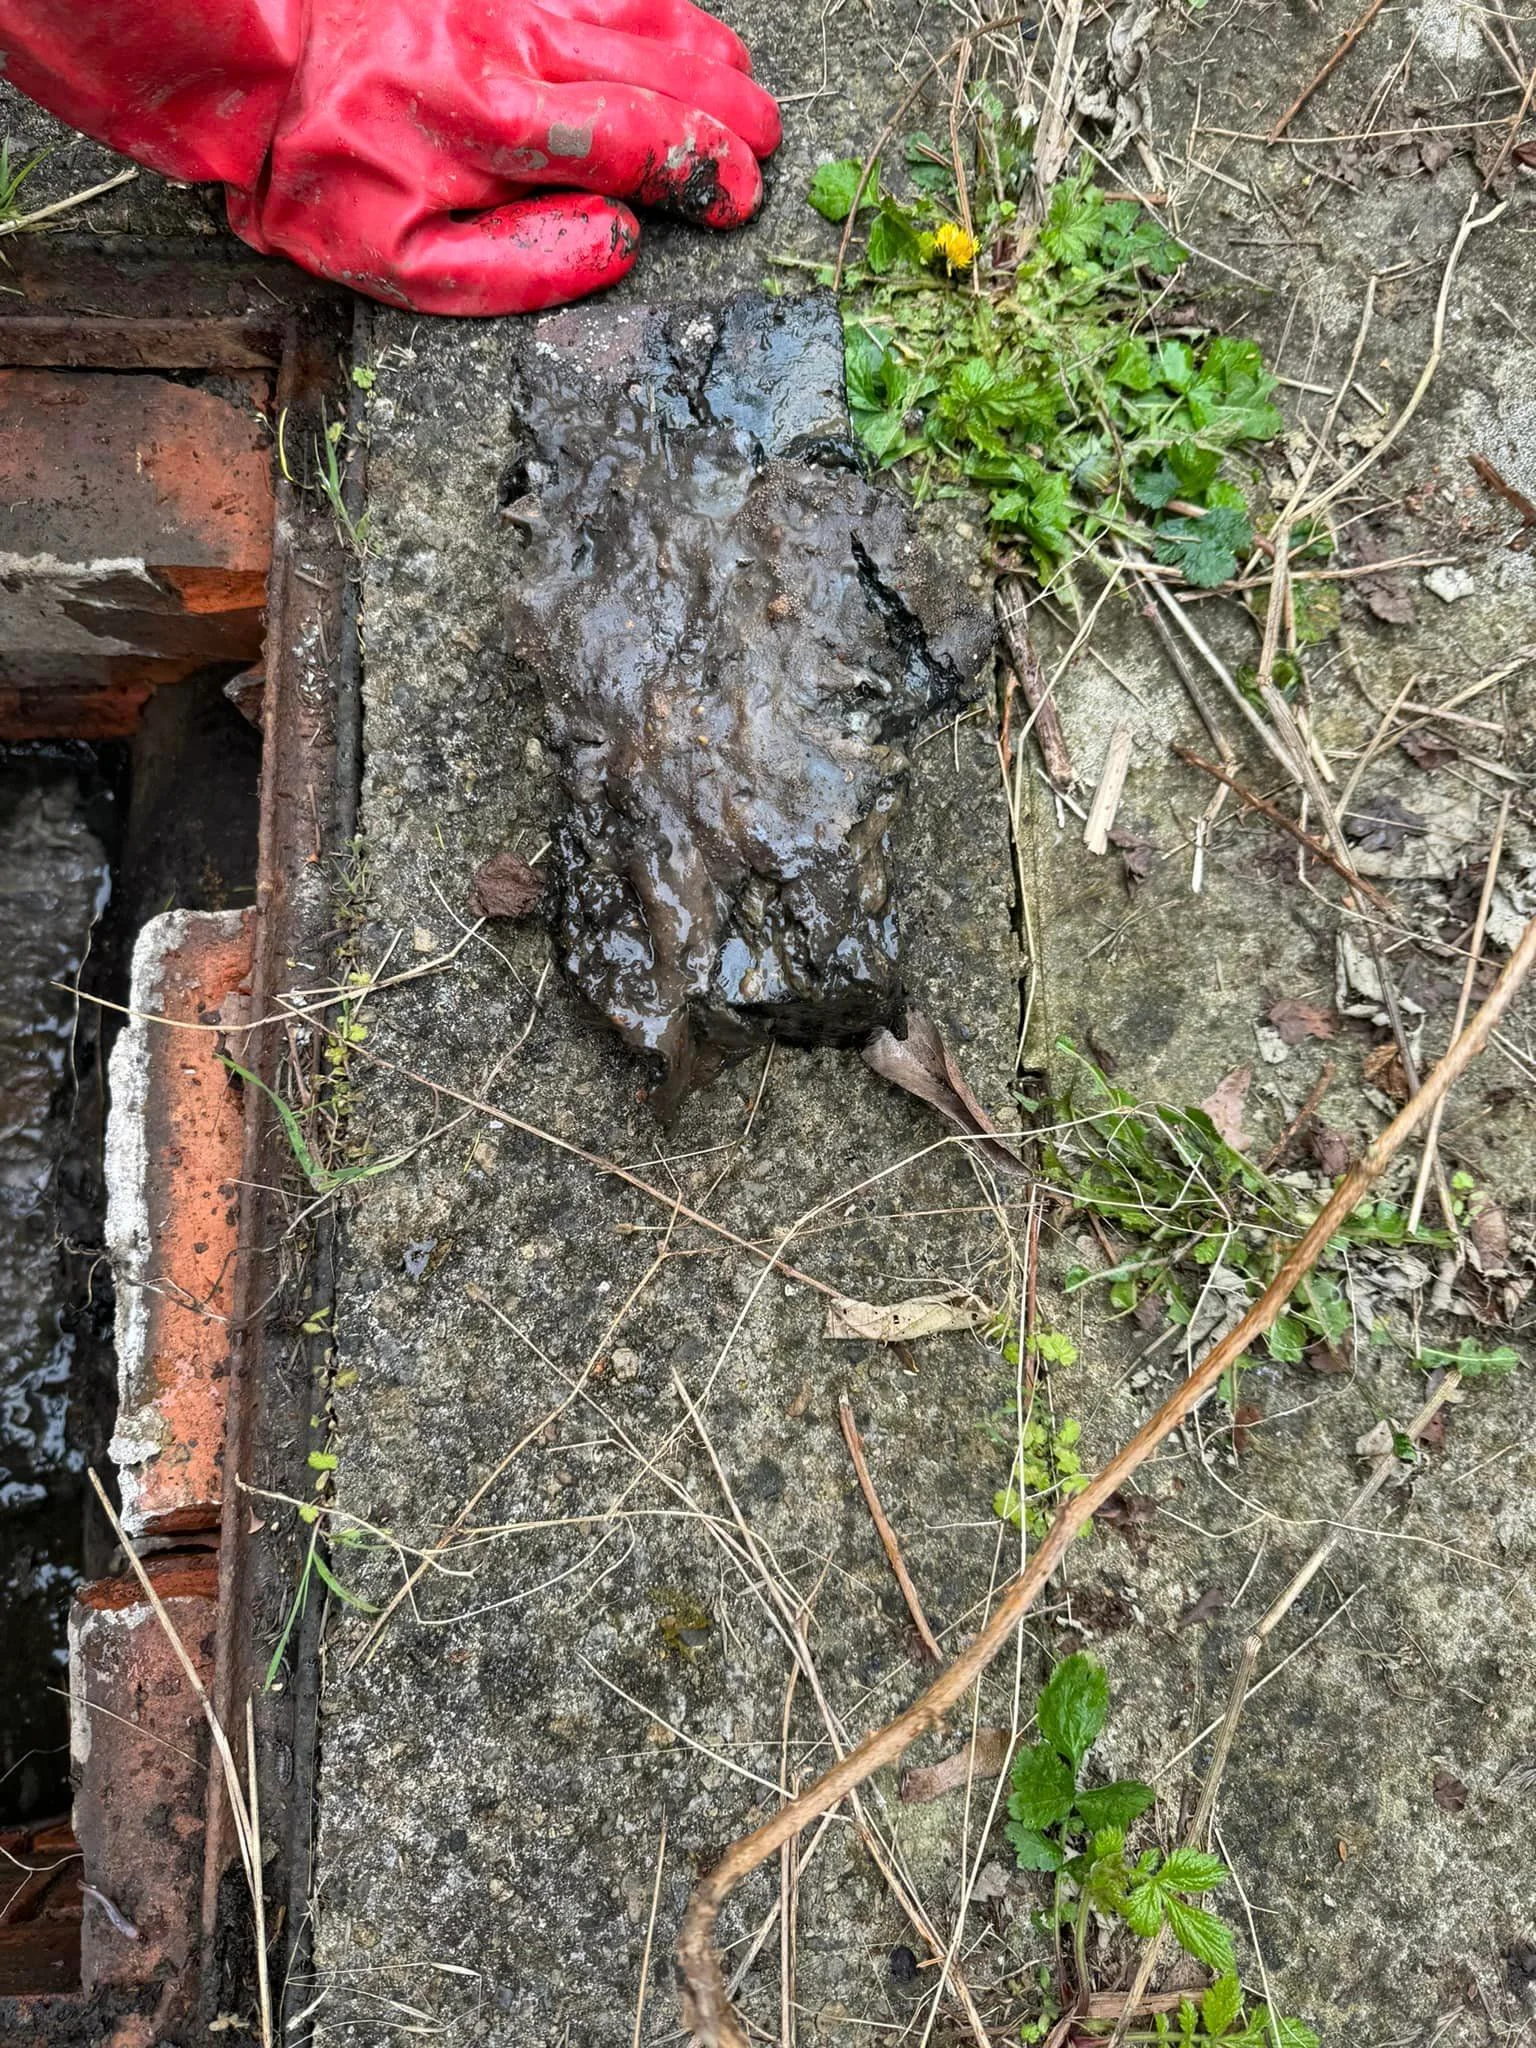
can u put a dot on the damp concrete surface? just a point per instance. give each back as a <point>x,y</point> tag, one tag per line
<point>604,1661</point>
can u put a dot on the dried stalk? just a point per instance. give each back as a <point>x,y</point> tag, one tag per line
<point>707,2009</point>
<point>1326,71</point>
<point>1013,617</point>
<point>884,1530</point>
<point>1277,817</point>
<point>1463,1004</point>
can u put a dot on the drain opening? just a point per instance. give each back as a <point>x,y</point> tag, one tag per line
<point>135,543</point>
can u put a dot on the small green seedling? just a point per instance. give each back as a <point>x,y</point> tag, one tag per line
<point>1077,1834</point>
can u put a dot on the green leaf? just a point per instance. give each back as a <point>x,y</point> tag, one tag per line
<point>1142,1910</point>
<point>833,187</point>
<point>1293,2033</point>
<point>1176,365</point>
<point>1206,550</point>
<point>1192,1870</point>
<point>1055,1347</point>
<point>1221,2004</point>
<point>1470,1360</point>
<point>1200,1933</point>
<point>1132,365</point>
<point>1287,1340</point>
<point>893,241</point>
<point>1115,1805</point>
<point>1031,1848</point>
<point>1074,1707</point>
<point>1073,225</point>
<point>343,1593</point>
<point>1042,1787</point>
<point>928,165</point>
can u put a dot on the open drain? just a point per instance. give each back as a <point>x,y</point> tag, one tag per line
<point>135,540</point>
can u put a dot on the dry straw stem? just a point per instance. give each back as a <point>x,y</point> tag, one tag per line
<point>1326,70</point>
<point>884,1530</point>
<point>707,2009</point>
<point>1463,1003</point>
<point>25,222</point>
<point>1205,1811</point>
<point>247,1823</point>
<point>1277,817</point>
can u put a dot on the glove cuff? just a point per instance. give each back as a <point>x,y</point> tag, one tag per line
<point>192,88</point>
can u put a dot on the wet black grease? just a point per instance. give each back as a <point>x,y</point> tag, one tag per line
<point>734,642</point>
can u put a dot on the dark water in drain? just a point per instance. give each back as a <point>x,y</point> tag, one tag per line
<point>93,842</point>
<point>58,822</point>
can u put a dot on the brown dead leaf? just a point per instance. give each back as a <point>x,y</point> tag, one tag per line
<point>1524,154</point>
<point>1296,1020</point>
<point>800,1403</point>
<point>1380,824</point>
<point>1129,1513</point>
<point>1450,1794</point>
<point>1138,852</point>
<point>982,1758</point>
<point>1387,596</point>
<point>1248,1414</point>
<point>1211,1602</point>
<point>1330,1148</point>
<point>1384,1070</point>
<point>1224,1106</point>
<point>1489,1232</point>
<point>1325,1357</point>
<point>921,1064</point>
<point>1427,749</point>
<point>506,886</point>
<point>1435,152</point>
<point>903,1321</point>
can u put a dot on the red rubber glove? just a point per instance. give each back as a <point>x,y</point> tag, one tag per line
<point>354,134</point>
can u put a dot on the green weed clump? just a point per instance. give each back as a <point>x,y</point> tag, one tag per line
<point>1078,1834</point>
<point>1020,361</point>
<point>1165,1178</point>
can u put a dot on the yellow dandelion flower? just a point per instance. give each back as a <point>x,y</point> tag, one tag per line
<point>956,247</point>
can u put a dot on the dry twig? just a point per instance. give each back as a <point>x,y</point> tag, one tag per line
<point>1276,816</point>
<point>707,2010</point>
<point>884,1530</point>
<point>1326,71</point>
<point>1013,617</point>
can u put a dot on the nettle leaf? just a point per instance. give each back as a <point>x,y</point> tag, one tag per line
<point>1293,2033</point>
<point>1192,1870</point>
<point>1032,1849</point>
<point>833,187</point>
<point>1074,1706</point>
<point>1221,2004</point>
<point>1199,1933</point>
<point>1043,1786</point>
<point>1142,1910</point>
<point>1074,224</point>
<point>1114,1805</point>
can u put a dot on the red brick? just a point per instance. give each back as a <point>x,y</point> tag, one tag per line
<point>174,1143</point>
<point>139,1749</point>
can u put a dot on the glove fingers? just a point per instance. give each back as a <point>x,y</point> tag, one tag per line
<point>628,144</point>
<point>571,52</point>
<point>674,22</point>
<point>520,257</point>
